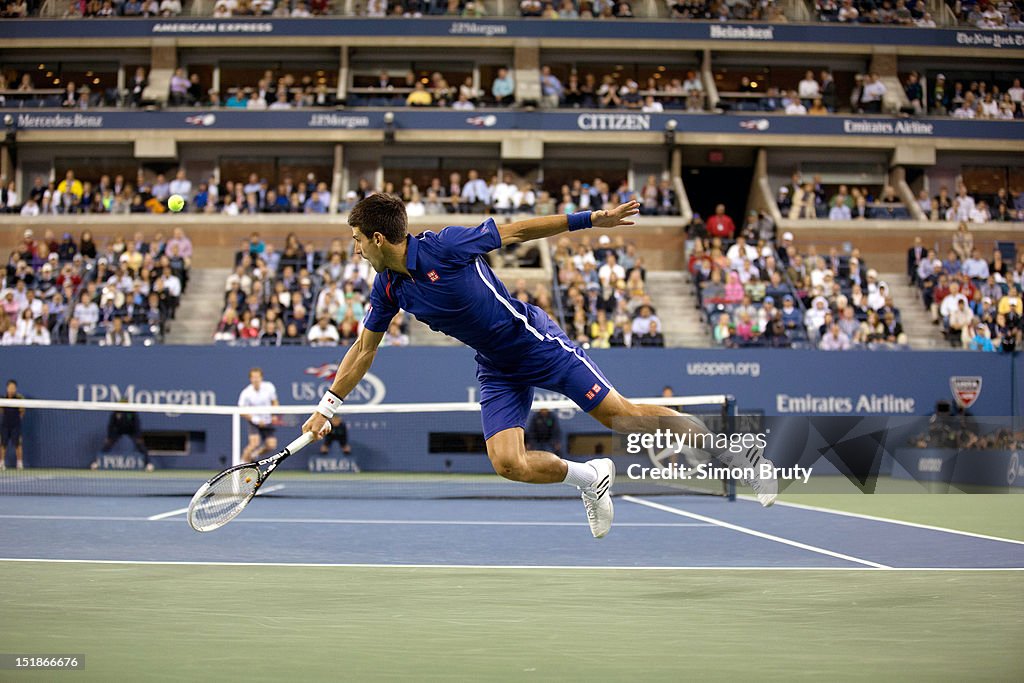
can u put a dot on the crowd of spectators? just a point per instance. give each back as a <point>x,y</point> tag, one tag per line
<point>815,94</point>
<point>873,12</point>
<point>298,295</point>
<point>977,302</point>
<point>469,193</point>
<point>507,195</point>
<point>965,207</point>
<point>117,196</point>
<point>223,9</point>
<point>810,198</point>
<point>984,14</point>
<point>77,9</point>
<point>757,291</point>
<point>989,14</point>
<point>657,94</point>
<point>975,100</point>
<point>79,292</point>
<point>602,285</point>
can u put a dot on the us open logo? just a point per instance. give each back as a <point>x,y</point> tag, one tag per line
<point>966,390</point>
<point>369,391</point>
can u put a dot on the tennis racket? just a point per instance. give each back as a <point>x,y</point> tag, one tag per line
<point>223,497</point>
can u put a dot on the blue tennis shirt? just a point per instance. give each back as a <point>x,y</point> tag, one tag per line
<point>453,290</point>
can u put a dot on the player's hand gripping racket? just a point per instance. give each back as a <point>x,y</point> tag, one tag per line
<point>223,497</point>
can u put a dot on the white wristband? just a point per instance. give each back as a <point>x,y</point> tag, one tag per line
<point>329,405</point>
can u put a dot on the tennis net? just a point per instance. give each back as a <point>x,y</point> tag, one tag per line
<point>421,450</point>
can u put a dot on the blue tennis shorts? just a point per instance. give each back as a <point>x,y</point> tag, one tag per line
<point>506,395</point>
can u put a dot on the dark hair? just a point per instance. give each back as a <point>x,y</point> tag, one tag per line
<point>381,213</point>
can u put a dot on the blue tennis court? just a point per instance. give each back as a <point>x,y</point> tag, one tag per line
<point>661,531</point>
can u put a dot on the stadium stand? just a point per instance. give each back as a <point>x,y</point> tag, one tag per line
<point>577,112</point>
<point>120,293</point>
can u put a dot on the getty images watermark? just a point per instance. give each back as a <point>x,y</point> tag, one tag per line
<point>674,452</point>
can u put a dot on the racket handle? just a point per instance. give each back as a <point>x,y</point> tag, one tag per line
<point>304,440</point>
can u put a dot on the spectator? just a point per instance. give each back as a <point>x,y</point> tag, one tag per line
<point>323,333</point>
<point>808,89</point>
<point>544,432</point>
<point>117,335</point>
<point>720,225</point>
<point>643,321</point>
<point>179,88</point>
<point>551,87</point>
<point>394,336</point>
<point>503,87</point>
<point>652,336</point>
<point>723,332</point>
<point>835,340</point>
<point>977,337</point>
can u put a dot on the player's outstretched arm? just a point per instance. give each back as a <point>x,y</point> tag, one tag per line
<point>353,367</point>
<point>546,226</point>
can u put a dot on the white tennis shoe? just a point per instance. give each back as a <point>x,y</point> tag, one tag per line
<point>597,499</point>
<point>766,486</point>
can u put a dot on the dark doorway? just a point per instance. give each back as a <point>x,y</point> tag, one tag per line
<point>708,186</point>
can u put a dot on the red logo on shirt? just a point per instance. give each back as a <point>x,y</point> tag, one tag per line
<point>434,277</point>
<point>594,391</point>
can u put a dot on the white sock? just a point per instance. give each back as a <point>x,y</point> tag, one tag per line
<point>581,474</point>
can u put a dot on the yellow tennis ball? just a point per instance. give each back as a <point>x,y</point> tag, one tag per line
<point>176,202</point>
<point>248,480</point>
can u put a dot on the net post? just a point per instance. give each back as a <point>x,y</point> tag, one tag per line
<point>236,438</point>
<point>729,418</point>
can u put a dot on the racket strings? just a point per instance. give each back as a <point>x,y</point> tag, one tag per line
<point>224,499</point>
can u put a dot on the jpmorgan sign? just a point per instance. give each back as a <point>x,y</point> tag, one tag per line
<point>613,122</point>
<point>134,394</point>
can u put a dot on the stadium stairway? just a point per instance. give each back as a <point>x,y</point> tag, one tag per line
<point>201,307</point>
<point>672,296</point>
<point>917,322</point>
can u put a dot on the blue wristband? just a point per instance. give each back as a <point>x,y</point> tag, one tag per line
<point>579,221</point>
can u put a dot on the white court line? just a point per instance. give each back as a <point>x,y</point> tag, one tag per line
<point>181,511</point>
<point>163,515</point>
<point>752,532</point>
<point>506,566</point>
<point>396,522</point>
<point>888,520</point>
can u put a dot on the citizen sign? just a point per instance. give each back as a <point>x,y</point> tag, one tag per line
<point>613,122</point>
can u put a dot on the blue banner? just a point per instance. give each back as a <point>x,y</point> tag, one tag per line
<point>768,34</point>
<point>773,382</point>
<point>753,125</point>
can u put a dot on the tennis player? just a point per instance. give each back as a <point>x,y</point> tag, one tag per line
<point>442,279</point>
<point>259,394</point>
